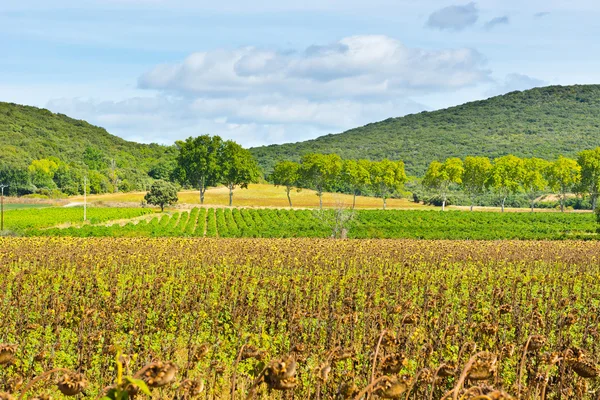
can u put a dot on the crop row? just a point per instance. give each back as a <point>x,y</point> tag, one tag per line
<point>391,224</point>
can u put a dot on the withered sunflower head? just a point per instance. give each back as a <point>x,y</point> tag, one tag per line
<point>191,388</point>
<point>159,373</point>
<point>536,342</point>
<point>7,353</point>
<point>72,383</point>
<point>585,369</point>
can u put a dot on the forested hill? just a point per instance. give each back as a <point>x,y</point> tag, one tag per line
<point>30,133</point>
<point>543,122</point>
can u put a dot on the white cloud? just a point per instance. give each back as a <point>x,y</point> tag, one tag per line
<point>354,67</point>
<point>454,18</point>
<point>261,96</point>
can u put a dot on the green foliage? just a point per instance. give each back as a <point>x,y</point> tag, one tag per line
<point>506,176</point>
<point>162,193</point>
<point>563,175</point>
<point>199,162</point>
<point>409,224</point>
<point>542,122</point>
<point>533,179</point>
<point>239,168</point>
<point>476,171</point>
<point>320,172</point>
<point>440,176</point>
<point>386,176</point>
<point>29,133</point>
<point>286,173</point>
<point>589,161</point>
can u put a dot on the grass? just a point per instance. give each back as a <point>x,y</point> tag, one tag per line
<point>261,195</point>
<point>24,206</point>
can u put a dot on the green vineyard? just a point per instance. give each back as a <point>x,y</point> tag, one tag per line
<point>281,223</point>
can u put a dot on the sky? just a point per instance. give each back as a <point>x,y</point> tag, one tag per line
<point>271,71</point>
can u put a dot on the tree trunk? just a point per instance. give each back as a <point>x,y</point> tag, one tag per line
<point>472,202</point>
<point>320,199</point>
<point>288,196</point>
<point>230,195</point>
<point>202,190</point>
<point>162,208</point>
<point>471,207</point>
<point>532,204</point>
<point>562,203</point>
<point>594,201</point>
<point>384,202</point>
<point>354,200</point>
<point>444,202</point>
<point>503,200</point>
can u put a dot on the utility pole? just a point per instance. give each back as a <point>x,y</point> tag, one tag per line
<point>84,198</point>
<point>2,186</point>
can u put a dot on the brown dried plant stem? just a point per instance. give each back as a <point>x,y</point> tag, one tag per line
<point>39,378</point>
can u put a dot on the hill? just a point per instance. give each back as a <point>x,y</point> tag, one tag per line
<point>30,133</point>
<point>542,122</point>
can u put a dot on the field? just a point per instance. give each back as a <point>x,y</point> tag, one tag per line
<point>273,223</point>
<point>302,318</point>
<point>259,195</point>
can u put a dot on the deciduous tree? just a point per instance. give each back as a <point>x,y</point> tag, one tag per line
<point>320,172</point>
<point>198,162</point>
<point>357,176</point>
<point>589,161</point>
<point>475,175</point>
<point>563,174</point>
<point>533,179</point>
<point>440,176</point>
<point>506,176</point>
<point>239,168</point>
<point>387,176</point>
<point>286,173</point>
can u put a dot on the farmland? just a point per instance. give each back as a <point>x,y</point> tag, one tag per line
<point>281,223</point>
<point>303,318</point>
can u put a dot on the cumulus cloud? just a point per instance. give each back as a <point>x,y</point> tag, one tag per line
<point>497,21</point>
<point>354,67</point>
<point>259,96</point>
<point>454,18</point>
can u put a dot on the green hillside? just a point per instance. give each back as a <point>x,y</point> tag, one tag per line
<point>30,133</point>
<point>544,122</point>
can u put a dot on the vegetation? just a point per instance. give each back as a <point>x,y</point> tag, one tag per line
<point>365,224</point>
<point>542,122</point>
<point>41,151</point>
<point>275,319</point>
<point>162,194</point>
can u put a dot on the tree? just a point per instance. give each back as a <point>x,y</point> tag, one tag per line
<point>357,176</point>
<point>476,171</point>
<point>320,171</point>
<point>239,168</point>
<point>563,174</point>
<point>286,173</point>
<point>533,179</point>
<point>589,161</point>
<point>199,162</point>
<point>440,176</point>
<point>42,172</point>
<point>162,193</point>
<point>94,159</point>
<point>387,176</point>
<point>506,176</point>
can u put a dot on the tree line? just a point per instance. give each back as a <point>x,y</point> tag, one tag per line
<point>511,175</point>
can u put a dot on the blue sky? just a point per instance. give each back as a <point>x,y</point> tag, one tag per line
<point>269,71</point>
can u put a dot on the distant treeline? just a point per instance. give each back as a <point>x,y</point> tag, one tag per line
<point>208,161</point>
